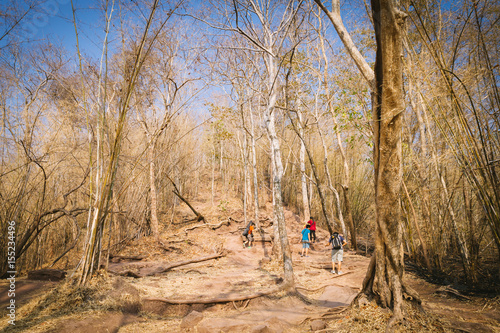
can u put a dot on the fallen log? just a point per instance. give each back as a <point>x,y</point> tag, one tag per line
<point>47,274</point>
<point>448,291</point>
<point>176,191</point>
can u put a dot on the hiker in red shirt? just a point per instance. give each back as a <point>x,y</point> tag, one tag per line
<point>312,223</point>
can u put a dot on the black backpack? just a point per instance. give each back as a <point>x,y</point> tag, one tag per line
<point>247,229</point>
<point>336,244</point>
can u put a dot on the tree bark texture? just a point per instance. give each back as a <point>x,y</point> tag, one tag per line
<point>277,167</point>
<point>384,279</point>
<point>153,193</point>
<point>254,173</point>
<point>305,198</point>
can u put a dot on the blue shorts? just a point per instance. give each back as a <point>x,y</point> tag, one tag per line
<point>305,244</point>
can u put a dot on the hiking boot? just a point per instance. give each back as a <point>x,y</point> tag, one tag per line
<point>340,272</point>
<point>332,271</point>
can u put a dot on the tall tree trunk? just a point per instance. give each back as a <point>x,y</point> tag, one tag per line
<point>417,228</point>
<point>345,185</point>
<point>88,262</point>
<point>244,160</point>
<point>305,199</point>
<point>246,186</point>
<point>152,188</point>
<point>421,163</point>
<point>213,173</point>
<point>254,172</point>
<point>384,279</point>
<point>330,184</point>
<point>314,172</point>
<point>277,167</point>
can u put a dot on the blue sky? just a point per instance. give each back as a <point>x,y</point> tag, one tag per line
<point>54,21</point>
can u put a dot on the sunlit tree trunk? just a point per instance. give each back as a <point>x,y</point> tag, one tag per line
<point>303,178</point>
<point>384,279</point>
<point>277,167</point>
<point>153,192</point>
<point>213,169</point>
<point>90,260</point>
<point>254,171</point>
<point>346,177</point>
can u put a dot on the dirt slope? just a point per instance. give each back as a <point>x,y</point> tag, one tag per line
<point>128,304</point>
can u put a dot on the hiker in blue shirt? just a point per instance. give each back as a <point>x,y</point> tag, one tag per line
<point>305,240</point>
<point>338,244</point>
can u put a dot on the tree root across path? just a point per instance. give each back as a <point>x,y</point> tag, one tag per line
<point>214,300</point>
<point>166,268</point>
<point>330,314</point>
<point>326,285</point>
<point>205,225</point>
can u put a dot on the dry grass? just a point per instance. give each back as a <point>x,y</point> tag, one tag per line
<point>65,301</point>
<point>372,318</point>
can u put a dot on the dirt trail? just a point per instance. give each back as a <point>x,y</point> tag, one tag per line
<point>242,271</point>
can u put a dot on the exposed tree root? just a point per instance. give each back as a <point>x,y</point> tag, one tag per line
<point>166,268</point>
<point>214,300</point>
<point>245,304</point>
<point>211,226</point>
<point>447,290</point>
<point>196,271</point>
<point>182,263</point>
<point>330,314</point>
<point>410,299</point>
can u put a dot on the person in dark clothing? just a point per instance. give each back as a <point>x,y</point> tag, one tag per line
<point>312,228</point>
<point>338,243</point>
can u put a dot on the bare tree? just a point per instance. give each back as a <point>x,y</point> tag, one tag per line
<point>161,80</point>
<point>384,279</point>
<point>91,257</point>
<point>266,28</point>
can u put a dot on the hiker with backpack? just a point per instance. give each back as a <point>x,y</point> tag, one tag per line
<point>338,244</point>
<point>305,240</point>
<point>248,234</point>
